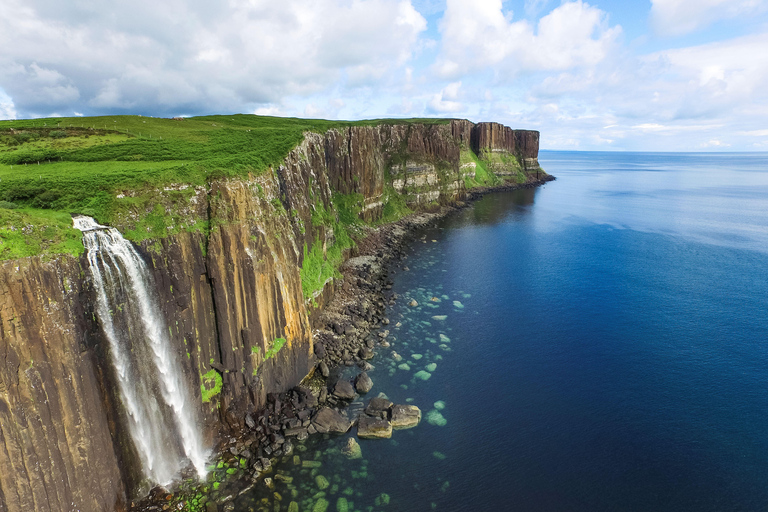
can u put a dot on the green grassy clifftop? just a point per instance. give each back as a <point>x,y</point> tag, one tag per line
<point>50,168</point>
<point>144,175</point>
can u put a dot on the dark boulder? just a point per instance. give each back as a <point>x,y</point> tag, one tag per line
<point>330,420</point>
<point>378,407</point>
<point>363,383</point>
<point>343,390</point>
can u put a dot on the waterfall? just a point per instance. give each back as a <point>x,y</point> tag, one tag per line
<point>161,418</point>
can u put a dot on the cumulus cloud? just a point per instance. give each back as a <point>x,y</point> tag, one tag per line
<point>677,17</point>
<point>672,100</point>
<point>479,34</point>
<point>192,57</point>
<point>716,77</point>
<point>446,100</point>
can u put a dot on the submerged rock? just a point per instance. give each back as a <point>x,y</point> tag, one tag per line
<point>322,482</point>
<point>422,375</point>
<point>352,449</point>
<point>321,505</point>
<point>439,405</point>
<point>342,505</point>
<point>435,418</point>
<point>373,428</point>
<point>413,303</point>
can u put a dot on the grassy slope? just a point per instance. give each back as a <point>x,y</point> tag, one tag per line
<point>50,168</point>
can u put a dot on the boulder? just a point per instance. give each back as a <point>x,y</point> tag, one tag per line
<point>373,428</point>
<point>363,383</point>
<point>405,416</point>
<point>330,420</point>
<point>324,370</point>
<point>344,390</point>
<point>378,407</point>
<point>365,353</point>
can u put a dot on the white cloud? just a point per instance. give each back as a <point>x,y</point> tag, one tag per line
<point>477,35</point>
<point>269,110</point>
<point>715,143</point>
<point>446,100</point>
<point>179,56</point>
<point>7,108</point>
<point>677,17</point>
<point>715,78</point>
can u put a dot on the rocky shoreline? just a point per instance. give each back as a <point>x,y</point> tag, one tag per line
<point>345,336</point>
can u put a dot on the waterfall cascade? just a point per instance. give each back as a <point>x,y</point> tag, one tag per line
<point>161,418</point>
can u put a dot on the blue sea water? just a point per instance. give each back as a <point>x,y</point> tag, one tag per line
<point>600,344</point>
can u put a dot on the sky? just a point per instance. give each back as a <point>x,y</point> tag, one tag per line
<point>658,75</point>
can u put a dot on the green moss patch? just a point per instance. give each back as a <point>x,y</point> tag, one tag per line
<point>483,176</point>
<point>277,344</point>
<point>210,385</point>
<point>317,266</point>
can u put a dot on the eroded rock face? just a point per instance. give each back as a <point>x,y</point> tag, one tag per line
<point>54,414</point>
<point>496,138</point>
<point>422,161</point>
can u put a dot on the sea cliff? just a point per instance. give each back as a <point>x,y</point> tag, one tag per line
<point>239,295</point>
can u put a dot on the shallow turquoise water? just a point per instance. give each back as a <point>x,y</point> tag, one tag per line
<point>600,343</point>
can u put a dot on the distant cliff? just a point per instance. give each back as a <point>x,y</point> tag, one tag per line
<point>237,294</point>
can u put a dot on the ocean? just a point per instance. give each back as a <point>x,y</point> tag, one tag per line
<point>596,344</point>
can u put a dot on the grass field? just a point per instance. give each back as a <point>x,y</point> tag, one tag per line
<point>62,163</point>
<point>50,168</point>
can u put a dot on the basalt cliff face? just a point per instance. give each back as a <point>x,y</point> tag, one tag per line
<point>237,298</point>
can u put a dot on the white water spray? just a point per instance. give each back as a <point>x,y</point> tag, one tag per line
<point>149,376</point>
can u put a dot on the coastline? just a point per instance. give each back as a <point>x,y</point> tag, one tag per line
<point>343,337</point>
